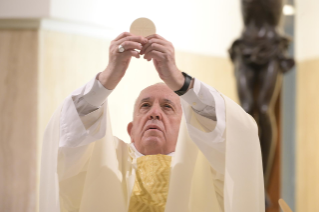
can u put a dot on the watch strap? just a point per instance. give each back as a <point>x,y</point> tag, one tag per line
<point>184,88</point>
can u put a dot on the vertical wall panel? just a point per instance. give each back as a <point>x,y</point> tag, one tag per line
<point>308,136</point>
<point>18,120</point>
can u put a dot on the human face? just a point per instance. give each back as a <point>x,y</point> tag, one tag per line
<point>157,116</point>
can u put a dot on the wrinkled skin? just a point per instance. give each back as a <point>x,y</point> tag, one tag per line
<point>158,108</point>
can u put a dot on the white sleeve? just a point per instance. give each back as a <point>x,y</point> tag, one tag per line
<point>206,121</point>
<point>201,100</point>
<point>82,121</point>
<point>94,96</point>
<point>204,110</point>
<point>82,115</point>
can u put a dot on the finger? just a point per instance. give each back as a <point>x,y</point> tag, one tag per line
<point>151,41</point>
<point>134,53</point>
<point>154,55</point>
<point>155,36</point>
<point>130,45</point>
<point>122,35</point>
<point>130,53</point>
<point>157,47</point>
<point>138,39</point>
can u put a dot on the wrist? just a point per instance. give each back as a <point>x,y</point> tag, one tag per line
<point>108,80</point>
<point>188,83</point>
<point>175,82</point>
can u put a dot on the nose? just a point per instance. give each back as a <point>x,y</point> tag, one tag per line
<point>155,113</point>
<point>155,117</point>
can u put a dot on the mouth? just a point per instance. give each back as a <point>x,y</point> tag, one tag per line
<point>153,127</point>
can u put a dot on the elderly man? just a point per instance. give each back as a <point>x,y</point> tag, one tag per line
<point>192,149</point>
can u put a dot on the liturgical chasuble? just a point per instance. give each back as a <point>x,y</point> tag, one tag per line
<point>110,176</point>
<point>151,183</point>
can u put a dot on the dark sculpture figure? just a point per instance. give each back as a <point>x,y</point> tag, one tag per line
<point>259,57</point>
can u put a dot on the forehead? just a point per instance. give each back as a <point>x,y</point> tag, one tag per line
<point>159,92</point>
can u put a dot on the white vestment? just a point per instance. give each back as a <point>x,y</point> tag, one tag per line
<point>216,166</point>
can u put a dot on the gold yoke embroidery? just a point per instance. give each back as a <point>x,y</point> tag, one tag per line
<point>151,184</point>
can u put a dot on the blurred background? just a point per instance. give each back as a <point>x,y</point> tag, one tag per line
<point>48,48</point>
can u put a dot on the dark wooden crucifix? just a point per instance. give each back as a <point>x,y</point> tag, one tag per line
<point>260,59</point>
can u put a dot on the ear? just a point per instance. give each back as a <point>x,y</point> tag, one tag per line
<point>129,129</point>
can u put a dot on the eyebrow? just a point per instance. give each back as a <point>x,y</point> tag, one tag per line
<point>165,100</point>
<point>145,99</point>
<point>169,101</point>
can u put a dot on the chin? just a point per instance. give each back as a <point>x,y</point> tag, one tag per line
<point>153,141</point>
<point>153,146</point>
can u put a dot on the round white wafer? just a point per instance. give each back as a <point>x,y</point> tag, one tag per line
<point>143,27</point>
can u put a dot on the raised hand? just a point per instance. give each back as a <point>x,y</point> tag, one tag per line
<point>119,61</point>
<point>163,54</point>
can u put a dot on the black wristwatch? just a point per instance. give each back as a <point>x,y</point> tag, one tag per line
<point>187,82</point>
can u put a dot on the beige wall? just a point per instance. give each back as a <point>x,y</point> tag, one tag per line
<point>308,136</point>
<point>18,122</point>
<point>67,61</point>
<point>307,35</point>
<point>215,71</point>
<point>307,147</point>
